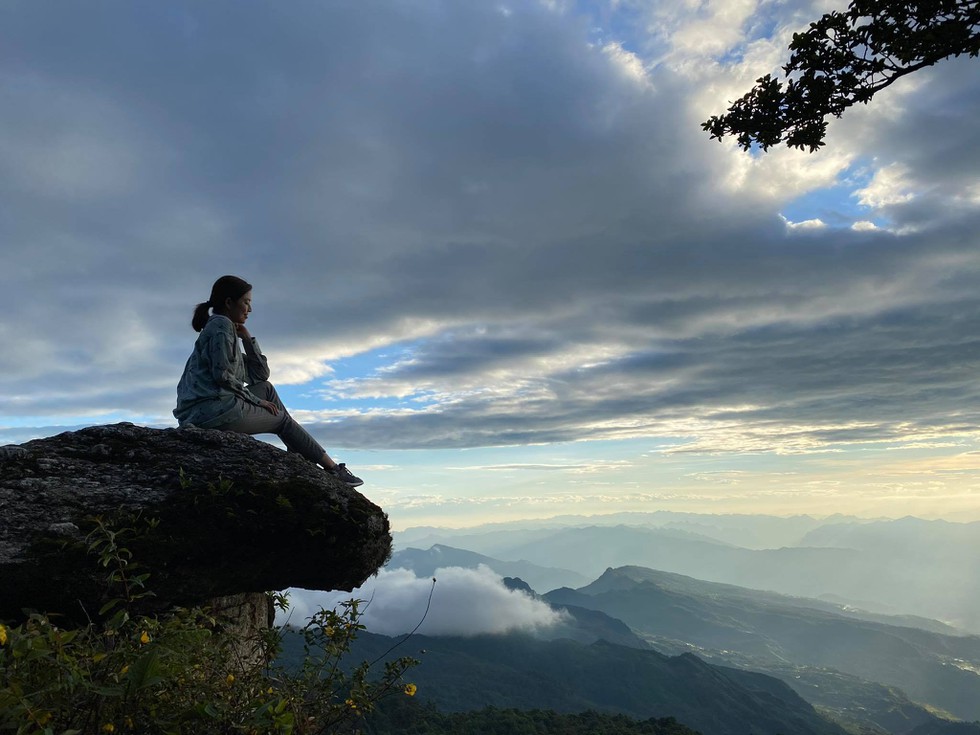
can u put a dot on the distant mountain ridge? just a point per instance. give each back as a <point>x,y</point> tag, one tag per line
<point>910,535</point>
<point>425,562</point>
<point>617,546</point>
<point>748,530</point>
<point>764,631</point>
<point>946,592</point>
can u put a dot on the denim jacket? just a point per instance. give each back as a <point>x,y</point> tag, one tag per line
<point>211,392</point>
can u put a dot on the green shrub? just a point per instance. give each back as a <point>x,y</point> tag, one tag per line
<point>179,672</point>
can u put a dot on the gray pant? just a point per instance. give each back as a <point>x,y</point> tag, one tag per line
<point>257,420</point>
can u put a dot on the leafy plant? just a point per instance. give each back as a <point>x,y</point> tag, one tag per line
<point>182,672</point>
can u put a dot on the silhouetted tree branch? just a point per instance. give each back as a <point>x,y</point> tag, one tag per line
<point>844,58</point>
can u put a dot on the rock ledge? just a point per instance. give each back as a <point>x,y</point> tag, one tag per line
<point>234,515</point>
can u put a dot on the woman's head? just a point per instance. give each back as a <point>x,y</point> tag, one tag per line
<point>226,296</point>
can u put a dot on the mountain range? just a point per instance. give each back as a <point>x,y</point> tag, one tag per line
<point>785,636</point>
<point>908,566</point>
<point>860,624</point>
<point>751,531</point>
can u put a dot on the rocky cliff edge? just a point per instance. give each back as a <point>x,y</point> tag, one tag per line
<point>232,514</point>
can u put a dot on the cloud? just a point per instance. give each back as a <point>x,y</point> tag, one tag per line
<point>807,224</point>
<point>474,228</point>
<point>888,187</point>
<point>771,386</point>
<point>464,602</point>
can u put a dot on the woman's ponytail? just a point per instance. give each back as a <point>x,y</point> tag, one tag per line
<point>201,316</point>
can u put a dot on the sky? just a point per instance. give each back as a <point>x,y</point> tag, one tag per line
<point>498,267</point>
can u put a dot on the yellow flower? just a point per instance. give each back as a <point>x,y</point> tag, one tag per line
<point>230,679</point>
<point>108,727</point>
<point>3,635</point>
<point>145,638</point>
<point>410,689</point>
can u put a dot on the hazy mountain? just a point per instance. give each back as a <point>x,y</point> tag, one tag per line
<point>751,531</point>
<point>928,564</point>
<point>489,542</point>
<point>483,539</point>
<point>882,582</point>
<point>593,549</point>
<point>425,563</point>
<point>500,538</point>
<point>581,624</point>
<point>864,565</point>
<point>909,537</point>
<point>685,584</point>
<point>766,632</point>
<point>461,674</point>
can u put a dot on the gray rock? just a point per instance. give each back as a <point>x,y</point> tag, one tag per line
<point>10,451</point>
<point>234,515</point>
<point>245,618</point>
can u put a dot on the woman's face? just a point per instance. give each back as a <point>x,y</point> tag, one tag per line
<point>238,311</point>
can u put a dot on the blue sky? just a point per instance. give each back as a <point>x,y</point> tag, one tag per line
<point>498,267</point>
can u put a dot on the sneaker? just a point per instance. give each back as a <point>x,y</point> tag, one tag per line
<point>345,475</point>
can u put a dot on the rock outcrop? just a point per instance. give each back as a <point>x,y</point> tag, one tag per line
<point>230,514</point>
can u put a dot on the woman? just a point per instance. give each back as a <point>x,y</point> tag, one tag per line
<point>212,392</point>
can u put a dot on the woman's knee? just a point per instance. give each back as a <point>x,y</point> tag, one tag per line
<point>263,389</point>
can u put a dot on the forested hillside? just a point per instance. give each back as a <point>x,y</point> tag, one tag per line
<point>519,671</point>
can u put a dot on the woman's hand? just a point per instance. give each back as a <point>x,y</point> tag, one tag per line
<point>243,331</point>
<point>270,407</point>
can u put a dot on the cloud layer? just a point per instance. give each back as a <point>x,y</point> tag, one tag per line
<point>482,225</point>
<point>464,602</point>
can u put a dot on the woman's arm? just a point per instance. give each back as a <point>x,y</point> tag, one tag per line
<point>256,366</point>
<point>227,369</point>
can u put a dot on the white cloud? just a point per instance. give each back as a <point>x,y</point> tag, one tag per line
<point>464,602</point>
<point>714,28</point>
<point>807,224</point>
<point>630,63</point>
<point>784,174</point>
<point>889,186</point>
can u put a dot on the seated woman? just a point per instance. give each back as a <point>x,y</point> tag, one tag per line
<point>212,392</point>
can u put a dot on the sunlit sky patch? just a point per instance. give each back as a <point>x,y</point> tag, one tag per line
<point>840,205</point>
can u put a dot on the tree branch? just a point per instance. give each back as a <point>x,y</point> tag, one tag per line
<point>845,58</point>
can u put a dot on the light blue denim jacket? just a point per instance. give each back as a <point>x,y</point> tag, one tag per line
<point>212,391</point>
